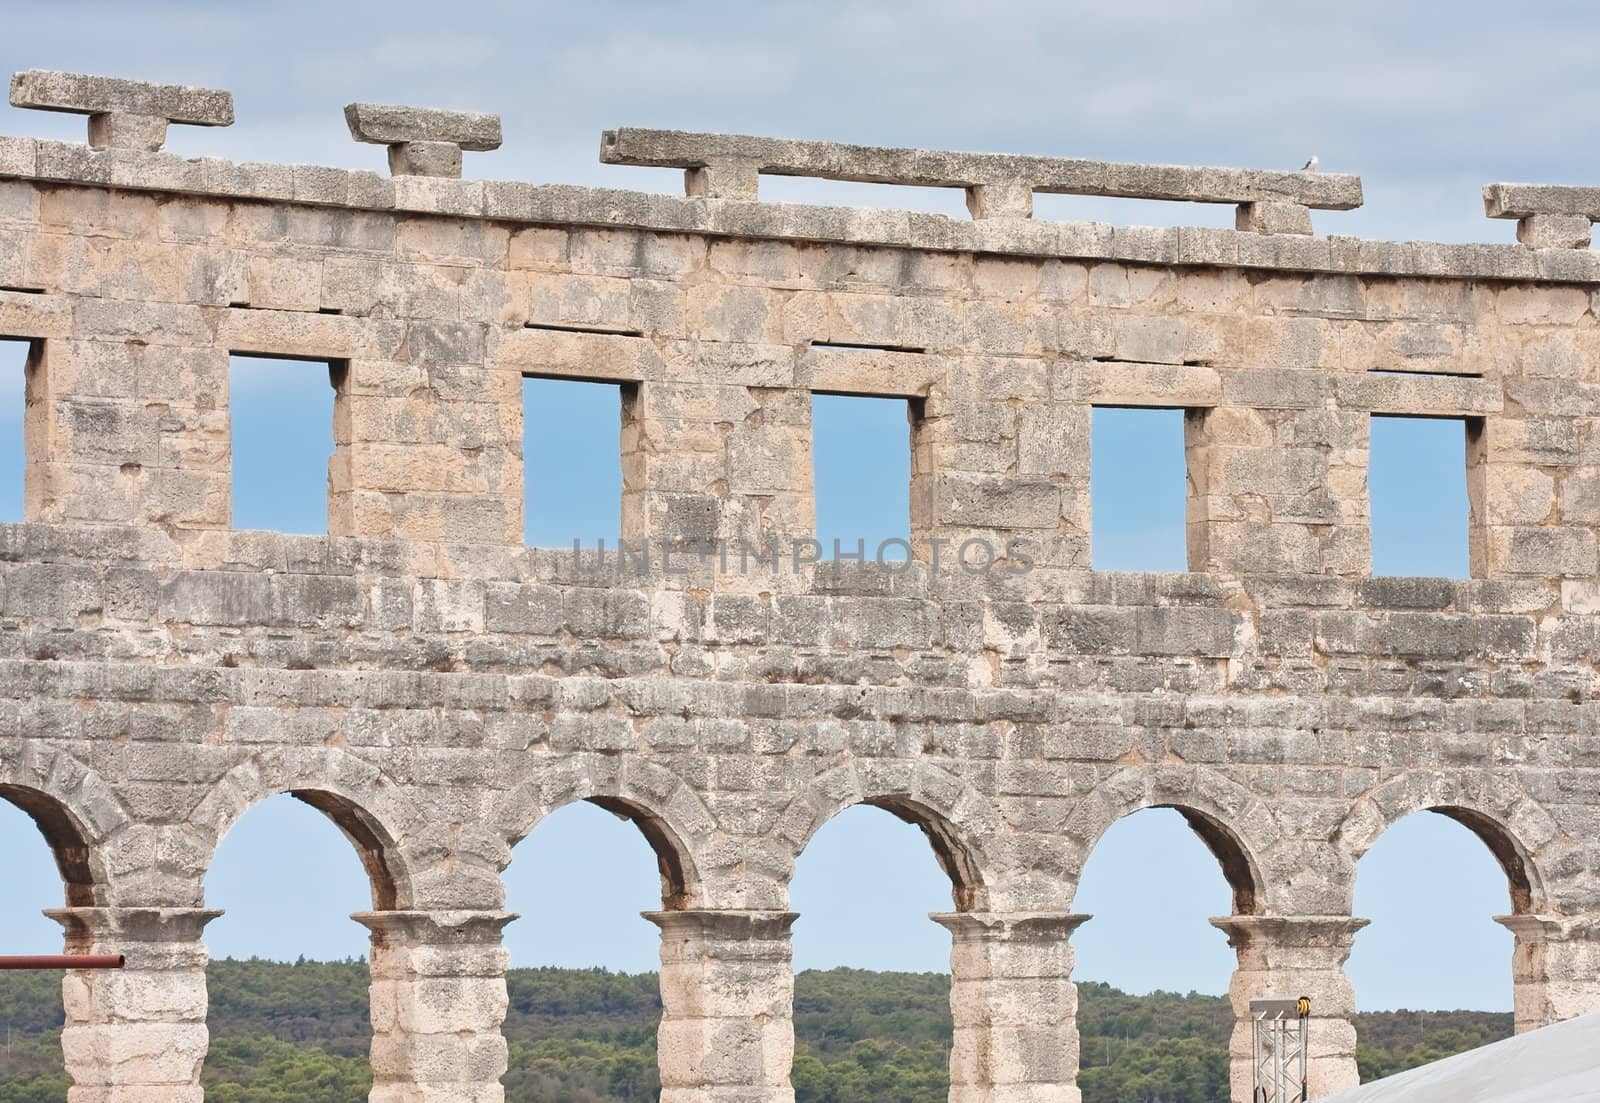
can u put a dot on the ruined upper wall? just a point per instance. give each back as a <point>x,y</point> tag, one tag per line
<point>136,273</point>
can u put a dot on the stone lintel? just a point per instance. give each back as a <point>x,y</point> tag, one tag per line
<point>1521,200</point>
<point>386,124</point>
<point>123,114</point>
<point>423,141</point>
<point>1009,173</point>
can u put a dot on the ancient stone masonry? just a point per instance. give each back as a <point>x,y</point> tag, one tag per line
<point>436,688</point>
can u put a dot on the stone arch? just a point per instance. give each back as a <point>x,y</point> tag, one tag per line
<point>950,813</point>
<point>368,808</point>
<point>1494,807</point>
<point>74,810</point>
<point>1234,823</point>
<point>667,811</point>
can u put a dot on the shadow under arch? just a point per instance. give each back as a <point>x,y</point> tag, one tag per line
<point>371,842</point>
<point>64,835</point>
<point>370,811</point>
<point>1488,819</point>
<point>671,816</point>
<point>951,815</point>
<point>1209,803</point>
<point>672,856</point>
<point>954,856</point>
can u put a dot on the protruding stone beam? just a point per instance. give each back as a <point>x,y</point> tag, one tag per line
<point>1549,216</point>
<point>998,185</point>
<point>123,114</point>
<point>423,141</point>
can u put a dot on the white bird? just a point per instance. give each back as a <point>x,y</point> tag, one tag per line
<point>1311,165</point>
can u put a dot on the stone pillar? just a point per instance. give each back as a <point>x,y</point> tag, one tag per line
<point>1555,967</point>
<point>727,1004</point>
<point>988,472</point>
<point>1294,956</point>
<point>703,462</point>
<point>1279,487</point>
<point>136,1034</point>
<point>1014,1006</point>
<point>129,432</point>
<point>438,1001</point>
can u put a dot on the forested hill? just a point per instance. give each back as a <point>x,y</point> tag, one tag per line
<point>299,1033</point>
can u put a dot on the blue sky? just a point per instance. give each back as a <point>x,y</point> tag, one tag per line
<point>1392,91</point>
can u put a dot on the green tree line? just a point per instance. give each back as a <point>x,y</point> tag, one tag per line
<point>298,1033</point>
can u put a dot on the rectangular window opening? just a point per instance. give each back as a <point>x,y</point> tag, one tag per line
<point>14,356</point>
<point>281,413</point>
<point>1417,486</point>
<point>1138,489</point>
<point>861,472</point>
<point>572,461</point>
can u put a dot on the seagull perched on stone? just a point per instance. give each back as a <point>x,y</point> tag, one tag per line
<point>1311,165</point>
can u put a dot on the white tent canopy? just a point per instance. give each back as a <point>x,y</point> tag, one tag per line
<point>1556,1063</point>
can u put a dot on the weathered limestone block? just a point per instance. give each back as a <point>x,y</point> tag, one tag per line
<point>1274,217</point>
<point>136,1034</point>
<point>1015,1008</point>
<point>722,178</point>
<point>727,997</point>
<point>123,114</point>
<point>438,1001</point>
<point>1293,956</point>
<point>1002,200</point>
<point>1555,231</point>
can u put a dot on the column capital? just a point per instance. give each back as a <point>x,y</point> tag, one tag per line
<point>1584,927</point>
<point>729,924</point>
<point>1010,926</point>
<point>1304,931</point>
<point>435,928</point>
<point>88,925</point>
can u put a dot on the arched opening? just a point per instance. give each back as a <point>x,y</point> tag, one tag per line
<point>47,865</point>
<point>1153,973</point>
<point>1432,971</point>
<point>288,983</point>
<point>872,1007</point>
<point>584,990</point>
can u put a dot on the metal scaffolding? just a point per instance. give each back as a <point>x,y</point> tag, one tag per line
<point>1279,1048</point>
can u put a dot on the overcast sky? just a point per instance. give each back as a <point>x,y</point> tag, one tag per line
<point>1426,103</point>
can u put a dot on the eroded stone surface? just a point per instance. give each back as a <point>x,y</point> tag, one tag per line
<point>437,688</point>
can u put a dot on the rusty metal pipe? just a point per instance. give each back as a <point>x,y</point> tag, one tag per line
<point>62,961</point>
